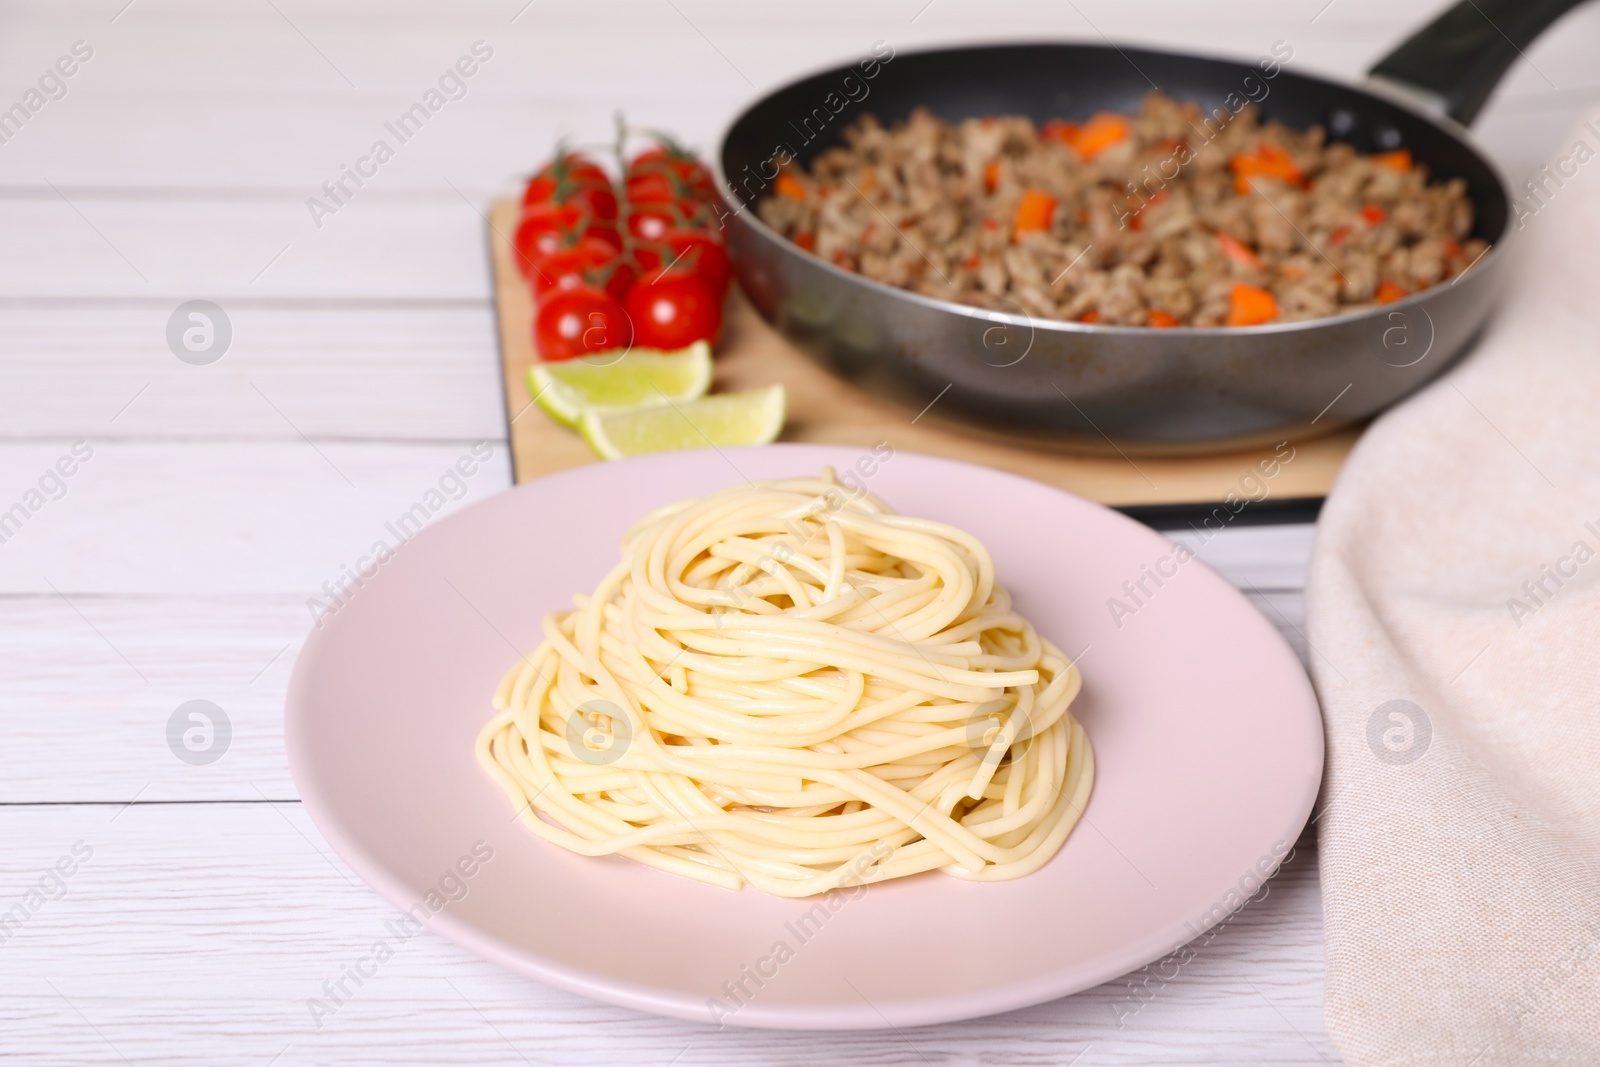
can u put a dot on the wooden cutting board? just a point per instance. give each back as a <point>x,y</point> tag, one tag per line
<point>825,409</point>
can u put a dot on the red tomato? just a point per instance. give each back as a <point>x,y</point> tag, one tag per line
<point>651,186</point>
<point>660,187</point>
<point>544,230</point>
<point>690,250</point>
<point>589,262</point>
<point>580,322</point>
<point>566,171</point>
<point>548,228</point>
<point>598,230</point>
<point>599,201</point>
<point>621,277</point>
<point>691,175</point>
<point>673,309</point>
<point>653,222</point>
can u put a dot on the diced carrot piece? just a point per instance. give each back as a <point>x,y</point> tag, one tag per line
<point>1056,130</point>
<point>1033,213</point>
<point>1235,250</point>
<point>1090,317</point>
<point>1267,161</point>
<point>1162,320</point>
<point>790,186</point>
<point>1399,159</point>
<point>990,224</point>
<point>1451,249</point>
<point>807,241</point>
<point>1373,214</point>
<point>973,263</point>
<point>1389,292</point>
<point>1337,236</point>
<point>1100,133</point>
<point>1249,305</point>
<point>1091,138</point>
<point>1278,160</point>
<point>991,175</point>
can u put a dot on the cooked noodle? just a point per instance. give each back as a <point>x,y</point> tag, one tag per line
<point>788,685</point>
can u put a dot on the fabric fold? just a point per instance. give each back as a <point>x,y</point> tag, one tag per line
<point>1453,614</point>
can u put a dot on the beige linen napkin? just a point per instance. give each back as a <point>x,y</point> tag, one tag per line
<point>1453,611</point>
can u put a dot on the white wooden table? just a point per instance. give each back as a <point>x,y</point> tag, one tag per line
<point>175,563</point>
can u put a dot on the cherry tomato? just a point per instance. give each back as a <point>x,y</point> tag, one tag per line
<point>651,186</point>
<point>566,171</point>
<point>673,309</point>
<point>660,185</point>
<point>600,230</point>
<point>599,201</point>
<point>589,262</point>
<point>691,175</point>
<point>652,223</point>
<point>621,278</point>
<point>690,250</point>
<point>548,228</point>
<point>580,322</point>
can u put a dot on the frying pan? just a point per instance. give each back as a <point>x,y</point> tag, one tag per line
<point>1129,387</point>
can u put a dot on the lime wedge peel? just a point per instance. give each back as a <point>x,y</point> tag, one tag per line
<point>754,417</point>
<point>565,389</point>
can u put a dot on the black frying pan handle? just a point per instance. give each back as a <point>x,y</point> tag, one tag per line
<point>1459,57</point>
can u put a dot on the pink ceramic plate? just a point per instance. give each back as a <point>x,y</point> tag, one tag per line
<point>1207,742</point>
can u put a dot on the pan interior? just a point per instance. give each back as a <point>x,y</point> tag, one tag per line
<point>1073,81</point>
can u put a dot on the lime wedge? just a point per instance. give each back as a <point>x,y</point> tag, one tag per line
<point>641,376</point>
<point>749,418</point>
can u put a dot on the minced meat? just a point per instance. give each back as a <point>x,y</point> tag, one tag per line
<point>1146,220</point>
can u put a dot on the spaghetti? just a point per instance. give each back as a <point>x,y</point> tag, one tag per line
<point>790,686</point>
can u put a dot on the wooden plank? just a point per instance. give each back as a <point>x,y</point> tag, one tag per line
<point>154,45</point>
<point>168,252</point>
<point>104,683</point>
<point>1254,558</point>
<point>823,408</point>
<point>195,934</point>
<point>213,519</point>
<point>408,374</point>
